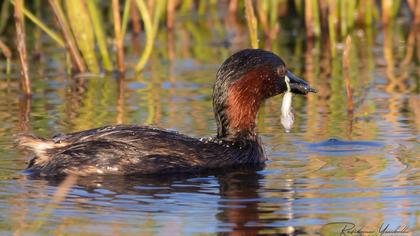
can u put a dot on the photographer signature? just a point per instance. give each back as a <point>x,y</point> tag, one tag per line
<point>349,228</point>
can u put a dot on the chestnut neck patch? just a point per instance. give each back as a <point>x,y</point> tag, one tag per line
<point>244,98</point>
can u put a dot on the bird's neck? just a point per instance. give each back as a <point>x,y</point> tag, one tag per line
<point>236,116</point>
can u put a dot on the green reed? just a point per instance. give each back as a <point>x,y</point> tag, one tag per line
<point>252,23</point>
<point>98,27</point>
<point>4,15</point>
<point>68,36</point>
<point>8,54</point>
<point>149,34</point>
<point>125,18</point>
<point>81,27</point>
<point>84,32</point>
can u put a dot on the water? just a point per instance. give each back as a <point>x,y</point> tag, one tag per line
<point>334,169</point>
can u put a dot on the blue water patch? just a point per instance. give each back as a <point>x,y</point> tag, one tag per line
<point>167,85</point>
<point>336,146</point>
<point>137,85</point>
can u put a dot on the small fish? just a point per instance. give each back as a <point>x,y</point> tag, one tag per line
<point>287,116</point>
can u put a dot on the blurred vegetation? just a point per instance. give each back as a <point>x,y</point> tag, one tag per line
<point>83,27</point>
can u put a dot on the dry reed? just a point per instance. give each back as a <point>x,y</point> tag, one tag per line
<point>332,25</point>
<point>21,46</point>
<point>346,73</point>
<point>233,6</point>
<point>118,35</point>
<point>416,11</point>
<point>170,9</point>
<point>135,19</point>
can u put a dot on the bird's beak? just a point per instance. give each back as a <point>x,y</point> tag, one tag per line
<point>298,85</point>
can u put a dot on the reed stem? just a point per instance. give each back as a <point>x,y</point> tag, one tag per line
<point>262,7</point>
<point>186,6</point>
<point>135,19</point>
<point>41,25</point>
<point>120,101</point>
<point>332,26</point>
<point>81,26</point>
<point>118,35</point>
<point>21,46</point>
<point>316,20</point>
<point>98,28</point>
<point>4,15</point>
<point>126,16</point>
<point>416,13</point>
<point>351,8</point>
<point>343,18</point>
<point>149,35</point>
<point>233,6</point>
<point>159,7</point>
<point>309,22</point>
<point>346,72</point>
<point>70,42</point>
<point>252,23</point>
<point>170,9</point>
<point>369,12</point>
<point>386,11</point>
<point>8,54</point>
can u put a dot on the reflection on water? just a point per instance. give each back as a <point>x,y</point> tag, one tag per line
<point>335,166</point>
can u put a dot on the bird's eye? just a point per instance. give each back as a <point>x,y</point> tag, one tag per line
<point>281,71</point>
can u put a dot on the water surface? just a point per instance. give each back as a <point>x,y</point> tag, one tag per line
<point>360,167</point>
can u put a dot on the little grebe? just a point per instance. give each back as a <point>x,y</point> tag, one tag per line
<point>243,82</point>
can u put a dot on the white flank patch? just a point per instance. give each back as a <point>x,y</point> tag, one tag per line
<point>287,117</point>
<point>42,146</point>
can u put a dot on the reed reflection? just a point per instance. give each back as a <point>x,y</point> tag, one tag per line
<point>396,73</point>
<point>74,98</point>
<point>121,100</point>
<point>25,107</point>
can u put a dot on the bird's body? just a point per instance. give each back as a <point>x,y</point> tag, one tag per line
<point>243,82</point>
<point>127,149</point>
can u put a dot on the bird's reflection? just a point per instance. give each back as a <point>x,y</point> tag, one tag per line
<point>242,206</point>
<point>237,201</point>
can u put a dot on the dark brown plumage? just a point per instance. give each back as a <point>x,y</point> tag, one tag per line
<point>243,81</point>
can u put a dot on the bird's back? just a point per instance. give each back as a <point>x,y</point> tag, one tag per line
<point>130,149</point>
